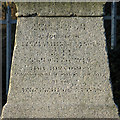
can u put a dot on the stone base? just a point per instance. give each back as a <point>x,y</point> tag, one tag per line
<point>76,110</point>
<point>60,70</point>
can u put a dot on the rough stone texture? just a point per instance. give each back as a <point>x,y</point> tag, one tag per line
<point>60,9</point>
<point>60,69</point>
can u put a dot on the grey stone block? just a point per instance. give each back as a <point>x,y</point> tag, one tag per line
<point>60,70</point>
<point>60,9</point>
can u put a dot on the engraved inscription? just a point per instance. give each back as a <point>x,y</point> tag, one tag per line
<point>61,56</point>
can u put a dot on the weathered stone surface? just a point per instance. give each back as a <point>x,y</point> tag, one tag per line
<point>60,9</point>
<point>60,69</point>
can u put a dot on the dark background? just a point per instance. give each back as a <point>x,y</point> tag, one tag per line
<point>13,27</point>
<point>113,55</point>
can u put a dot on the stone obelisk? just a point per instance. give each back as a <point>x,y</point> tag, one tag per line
<point>60,64</point>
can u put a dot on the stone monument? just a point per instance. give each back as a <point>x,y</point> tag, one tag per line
<point>60,64</point>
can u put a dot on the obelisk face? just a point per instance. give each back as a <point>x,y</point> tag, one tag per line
<point>60,68</point>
